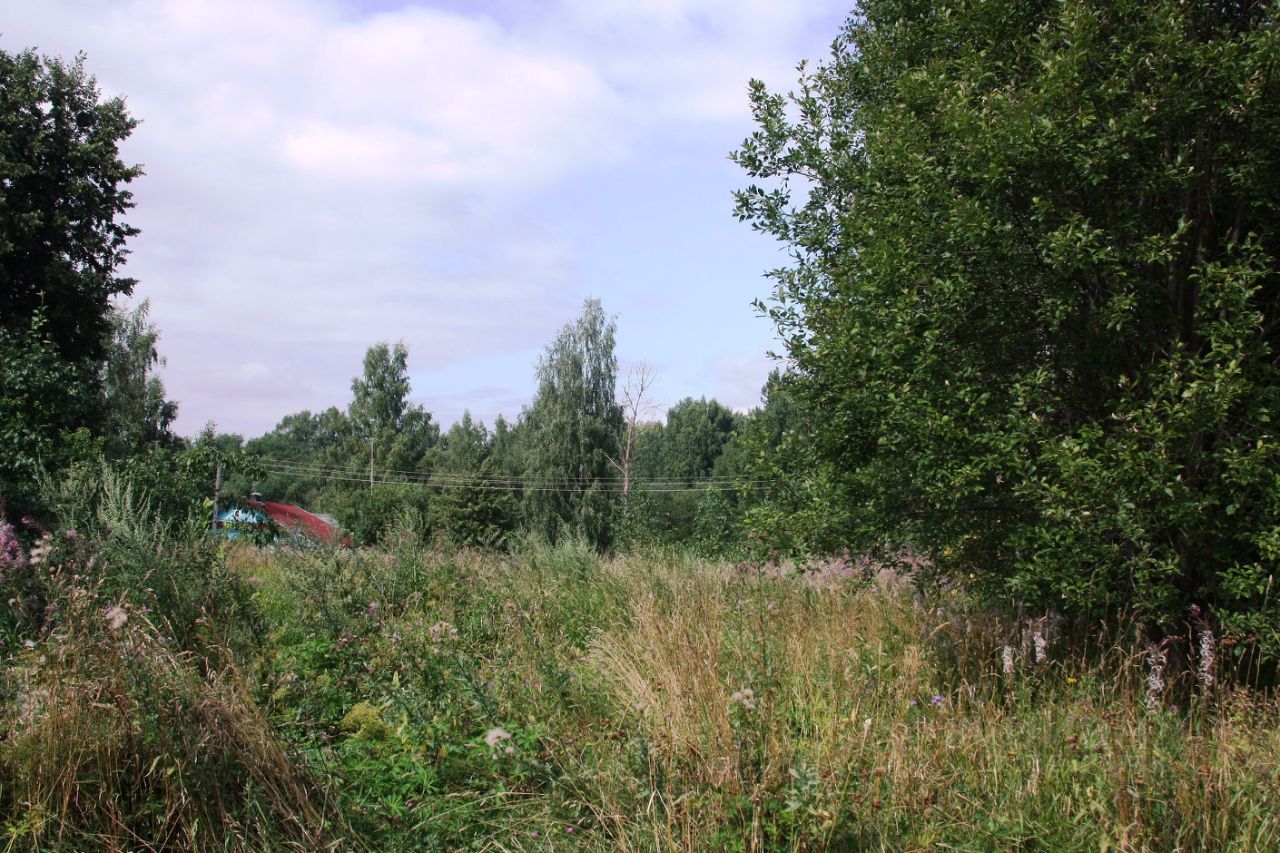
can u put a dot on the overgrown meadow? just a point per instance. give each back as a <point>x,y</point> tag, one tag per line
<point>167,691</point>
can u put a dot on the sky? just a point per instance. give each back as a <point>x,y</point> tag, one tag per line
<point>323,175</point>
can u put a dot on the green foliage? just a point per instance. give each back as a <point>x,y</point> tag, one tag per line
<point>310,444</point>
<point>475,503</point>
<point>43,398</point>
<point>62,193</point>
<point>111,525</point>
<point>118,738</point>
<point>686,448</point>
<point>574,430</point>
<point>380,398</point>
<point>369,515</point>
<point>135,414</point>
<point>61,240</point>
<point>1033,302</point>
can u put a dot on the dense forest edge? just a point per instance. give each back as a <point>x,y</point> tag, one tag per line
<point>990,567</point>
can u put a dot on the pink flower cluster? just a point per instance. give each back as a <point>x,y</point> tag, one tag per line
<point>12,555</point>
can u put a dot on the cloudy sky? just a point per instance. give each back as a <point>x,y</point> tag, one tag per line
<point>322,175</point>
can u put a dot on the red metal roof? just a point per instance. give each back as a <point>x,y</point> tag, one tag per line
<point>299,520</point>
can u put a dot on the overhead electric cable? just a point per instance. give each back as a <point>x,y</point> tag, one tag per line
<point>444,481</point>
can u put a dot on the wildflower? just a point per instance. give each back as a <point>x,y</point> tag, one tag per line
<point>1205,670</point>
<point>442,632</point>
<point>373,608</point>
<point>866,727</point>
<point>937,700</point>
<point>11,555</point>
<point>1006,658</point>
<point>72,534</point>
<point>41,551</point>
<point>1040,644</point>
<point>746,697</point>
<point>116,617</point>
<point>1072,679</point>
<point>569,829</point>
<point>1155,678</point>
<point>497,739</point>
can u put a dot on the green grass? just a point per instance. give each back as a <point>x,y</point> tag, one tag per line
<point>875,719</point>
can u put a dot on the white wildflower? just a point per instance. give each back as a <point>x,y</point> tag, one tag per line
<point>1006,658</point>
<point>1039,643</point>
<point>442,632</point>
<point>116,617</point>
<point>496,736</point>
<point>1155,678</point>
<point>42,550</point>
<point>1205,670</point>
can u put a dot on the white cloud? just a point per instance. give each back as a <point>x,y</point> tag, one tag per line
<point>740,379</point>
<point>320,179</point>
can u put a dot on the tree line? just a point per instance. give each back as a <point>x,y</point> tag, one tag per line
<point>577,461</point>
<point>1030,319</point>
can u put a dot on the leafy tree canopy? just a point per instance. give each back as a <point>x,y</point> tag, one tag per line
<point>1034,305</point>
<point>62,193</point>
<point>136,414</point>
<point>575,428</point>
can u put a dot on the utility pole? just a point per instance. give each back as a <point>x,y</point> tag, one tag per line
<point>370,463</point>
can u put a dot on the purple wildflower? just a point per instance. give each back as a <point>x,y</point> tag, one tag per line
<point>938,699</point>
<point>72,534</point>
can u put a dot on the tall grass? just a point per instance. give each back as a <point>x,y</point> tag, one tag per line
<point>408,699</point>
<point>119,740</point>
<point>675,704</point>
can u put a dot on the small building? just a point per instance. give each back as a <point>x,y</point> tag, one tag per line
<point>258,515</point>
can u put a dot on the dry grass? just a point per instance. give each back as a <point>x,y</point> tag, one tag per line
<point>118,742</point>
<point>859,734</point>
<point>877,718</point>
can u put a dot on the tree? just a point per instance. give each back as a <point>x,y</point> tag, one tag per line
<point>1034,303</point>
<point>298,452</point>
<point>574,428</point>
<point>62,193</point>
<point>694,436</point>
<point>42,402</point>
<point>472,504</point>
<point>380,397</point>
<point>136,414</point>
<point>675,458</point>
<point>636,409</point>
<point>400,434</point>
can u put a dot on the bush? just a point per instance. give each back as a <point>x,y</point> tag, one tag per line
<point>114,738</point>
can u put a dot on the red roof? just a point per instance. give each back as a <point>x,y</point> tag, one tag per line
<point>299,520</point>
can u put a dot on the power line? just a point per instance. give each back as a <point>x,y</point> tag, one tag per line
<point>459,481</point>
<point>513,478</point>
